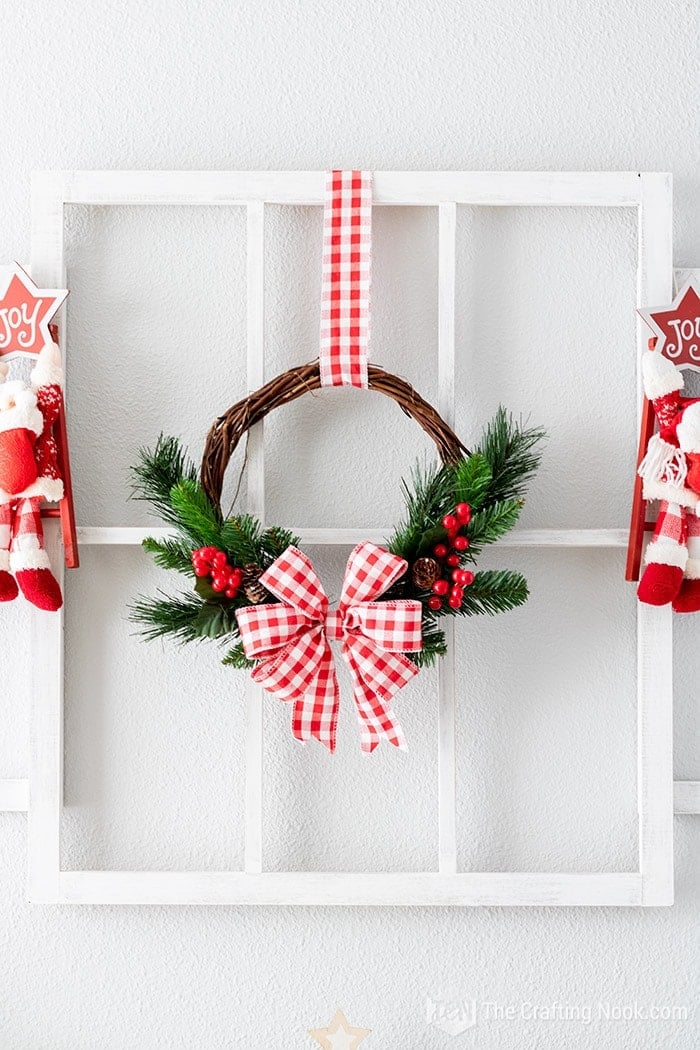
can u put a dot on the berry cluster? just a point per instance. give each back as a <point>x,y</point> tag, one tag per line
<point>225,578</point>
<point>451,586</point>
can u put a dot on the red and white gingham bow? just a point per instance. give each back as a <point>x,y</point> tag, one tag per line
<point>291,642</point>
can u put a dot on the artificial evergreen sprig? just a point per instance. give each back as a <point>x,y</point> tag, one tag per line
<point>491,482</point>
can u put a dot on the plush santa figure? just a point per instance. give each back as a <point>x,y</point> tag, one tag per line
<point>29,474</point>
<point>671,473</point>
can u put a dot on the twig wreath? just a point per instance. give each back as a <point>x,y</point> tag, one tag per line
<point>453,509</point>
<point>258,595</point>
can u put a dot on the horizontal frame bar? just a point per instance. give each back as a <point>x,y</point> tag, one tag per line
<point>127,536</point>
<point>313,888</point>
<point>14,796</point>
<point>401,188</point>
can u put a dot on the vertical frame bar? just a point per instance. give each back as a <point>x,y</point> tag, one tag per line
<point>255,226</point>
<point>46,718</point>
<point>447,267</point>
<point>654,625</point>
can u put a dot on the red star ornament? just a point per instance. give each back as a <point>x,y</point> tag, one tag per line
<point>25,313</point>
<point>677,327</point>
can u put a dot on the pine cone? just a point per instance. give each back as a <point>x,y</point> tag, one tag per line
<point>424,573</point>
<point>254,590</point>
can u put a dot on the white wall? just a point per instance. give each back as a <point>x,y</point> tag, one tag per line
<point>547,760</point>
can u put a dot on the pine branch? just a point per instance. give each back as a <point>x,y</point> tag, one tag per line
<point>488,524</point>
<point>472,480</point>
<point>241,538</point>
<point>157,471</point>
<point>494,591</point>
<point>426,501</point>
<point>237,659</point>
<point>176,616</point>
<point>170,554</point>
<point>196,517</point>
<point>273,542</point>
<point>512,453</point>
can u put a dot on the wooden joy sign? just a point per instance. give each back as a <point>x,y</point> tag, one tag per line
<point>677,328</point>
<point>25,313</point>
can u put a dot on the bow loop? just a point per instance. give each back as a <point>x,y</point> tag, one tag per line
<point>290,641</point>
<point>292,578</point>
<point>370,572</point>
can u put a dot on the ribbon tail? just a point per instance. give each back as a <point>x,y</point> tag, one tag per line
<point>376,719</point>
<point>315,713</point>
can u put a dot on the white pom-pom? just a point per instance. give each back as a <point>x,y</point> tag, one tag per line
<point>47,369</point>
<point>660,375</point>
<point>688,430</point>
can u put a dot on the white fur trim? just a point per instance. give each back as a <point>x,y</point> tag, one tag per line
<point>665,552</point>
<point>688,430</point>
<point>48,368</point>
<point>671,493</point>
<point>24,415</point>
<point>4,369</point>
<point>692,569</point>
<point>4,561</point>
<point>31,559</point>
<point>660,375</point>
<point>663,462</point>
<point>50,489</point>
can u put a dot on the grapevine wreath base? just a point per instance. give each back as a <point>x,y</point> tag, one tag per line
<point>257,595</point>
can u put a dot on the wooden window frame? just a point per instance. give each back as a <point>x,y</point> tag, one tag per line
<point>652,884</point>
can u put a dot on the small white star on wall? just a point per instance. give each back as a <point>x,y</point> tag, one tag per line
<point>339,1035</point>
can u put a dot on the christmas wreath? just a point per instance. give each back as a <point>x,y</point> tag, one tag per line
<point>257,595</point>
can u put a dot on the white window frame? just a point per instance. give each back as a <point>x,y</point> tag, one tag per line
<point>652,884</point>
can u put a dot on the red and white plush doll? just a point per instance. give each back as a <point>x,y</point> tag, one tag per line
<point>29,474</point>
<point>671,473</point>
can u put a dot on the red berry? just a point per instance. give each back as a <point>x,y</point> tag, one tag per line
<point>441,587</point>
<point>219,560</point>
<point>454,601</point>
<point>457,576</point>
<point>440,550</point>
<point>231,592</point>
<point>450,522</point>
<point>237,577</point>
<point>464,513</point>
<point>467,578</point>
<point>434,603</point>
<point>218,583</point>
<point>200,570</point>
<point>453,560</point>
<point>461,543</point>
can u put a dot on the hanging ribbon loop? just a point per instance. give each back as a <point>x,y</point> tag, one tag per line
<point>345,286</point>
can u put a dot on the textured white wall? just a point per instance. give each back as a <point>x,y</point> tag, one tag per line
<point>546,730</point>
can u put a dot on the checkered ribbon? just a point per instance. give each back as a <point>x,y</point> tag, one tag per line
<point>28,531</point>
<point>671,524</point>
<point>290,641</point>
<point>347,243</point>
